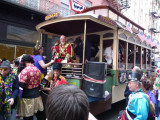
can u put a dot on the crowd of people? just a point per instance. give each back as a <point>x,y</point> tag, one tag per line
<point>25,90</point>
<point>142,96</point>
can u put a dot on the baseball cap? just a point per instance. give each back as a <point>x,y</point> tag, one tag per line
<point>5,64</point>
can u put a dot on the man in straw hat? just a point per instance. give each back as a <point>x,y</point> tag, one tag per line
<point>138,105</point>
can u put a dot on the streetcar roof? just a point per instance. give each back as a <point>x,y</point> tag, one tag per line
<point>73,25</point>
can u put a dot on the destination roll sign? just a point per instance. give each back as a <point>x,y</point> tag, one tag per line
<point>107,20</point>
<point>54,15</point>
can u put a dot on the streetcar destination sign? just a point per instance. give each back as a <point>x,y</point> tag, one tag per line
<point>52,16</point>
<point>107,20</point>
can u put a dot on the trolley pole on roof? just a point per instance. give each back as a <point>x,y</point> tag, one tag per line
<point>84,45</point>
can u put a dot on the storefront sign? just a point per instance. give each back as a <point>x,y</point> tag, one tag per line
<point>52,16</point>
<point>76,6</point>
<point>107,20</point>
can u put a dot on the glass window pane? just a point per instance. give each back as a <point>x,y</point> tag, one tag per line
<point>20,50</point>
<point>65,1</point>
<point>131,52</point>
<point>7,51</point>
<point>122,55</point>
<point>148,58</point>
<point>138,56</point>
<point>32,3</point>
<point>88,3</point>
<point>64,9</point>
<point>143,58</point>
<point>17,33</point>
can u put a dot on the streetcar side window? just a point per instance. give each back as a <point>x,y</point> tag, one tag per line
<point>143,58</point>
<point>138,56</point>
<point>108,52</point>
<point>131,52</point>
<point>148,58</point>
<point>91,48</point>
<point>122,55</point>
<point>94,40</point>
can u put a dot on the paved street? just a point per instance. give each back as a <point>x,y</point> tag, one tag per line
<point>113,113</point>
<point>110,114</point>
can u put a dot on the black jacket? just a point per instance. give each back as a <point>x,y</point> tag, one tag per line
<point>79,50</point>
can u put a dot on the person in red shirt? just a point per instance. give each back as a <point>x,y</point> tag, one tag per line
<point>63,50</point>
<point>54,78</point>
<point>30,99</point>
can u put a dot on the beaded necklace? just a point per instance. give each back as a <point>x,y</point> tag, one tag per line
<point>6,92</point>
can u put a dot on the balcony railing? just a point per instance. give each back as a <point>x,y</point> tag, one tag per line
<point>124,4</point>
<point>43,6</point>
<point>154,28</point>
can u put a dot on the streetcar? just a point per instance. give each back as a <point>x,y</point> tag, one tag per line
<point>101,31</point>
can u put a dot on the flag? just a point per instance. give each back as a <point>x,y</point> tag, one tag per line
<point>153,42</point>
<point>148,40</point>
<point>158,44</point>
<point>141,36</point>
<point>128,28</point>
<point>145,38</point>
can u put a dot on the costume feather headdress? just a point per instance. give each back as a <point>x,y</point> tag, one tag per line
<point>38,45</point>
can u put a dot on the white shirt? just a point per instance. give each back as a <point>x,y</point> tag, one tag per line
<point>109,53</point>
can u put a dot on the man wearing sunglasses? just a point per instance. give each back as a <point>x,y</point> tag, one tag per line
<point>8,91</point>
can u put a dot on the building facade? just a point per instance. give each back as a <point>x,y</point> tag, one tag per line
<point>18,19</point>
<point>146,13</point>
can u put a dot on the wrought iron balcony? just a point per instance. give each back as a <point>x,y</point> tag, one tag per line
<point>43,6</point>
<point>154,29</point>
<point>124,4</point>
<point>114,4</point>
<point>119,4</point>
<point>154,12</point>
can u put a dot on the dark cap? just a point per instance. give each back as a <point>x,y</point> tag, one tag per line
<point>5,64</point>
<point>56,66</point>
<point>135,76</point>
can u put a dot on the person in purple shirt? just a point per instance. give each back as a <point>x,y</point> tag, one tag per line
<point>146,85</point>
<point>39,60</point>
<point>40,64</point>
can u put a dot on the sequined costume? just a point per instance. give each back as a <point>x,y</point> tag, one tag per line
<point>63,52</point>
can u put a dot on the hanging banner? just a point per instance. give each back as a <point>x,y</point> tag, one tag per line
<point>76,6</point>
